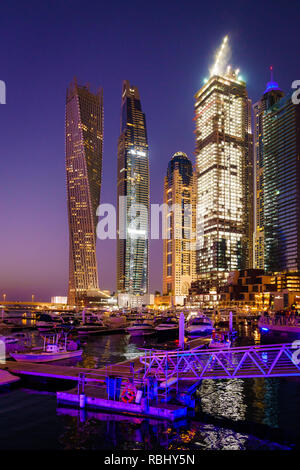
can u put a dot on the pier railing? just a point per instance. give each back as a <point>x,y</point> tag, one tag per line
<point>111,381</point>
<point>278,360</point>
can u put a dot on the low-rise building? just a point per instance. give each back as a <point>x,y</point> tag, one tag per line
<point>251,289</point>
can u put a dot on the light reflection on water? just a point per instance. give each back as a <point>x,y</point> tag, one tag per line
<point>223,398</point>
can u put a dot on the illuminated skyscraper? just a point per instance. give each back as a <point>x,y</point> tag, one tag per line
<point>281,155</point>
<point>224,163</point>
<point>178,248</point>
<point>84,141</point>
<point>271,95</point>
<point>133,196</point>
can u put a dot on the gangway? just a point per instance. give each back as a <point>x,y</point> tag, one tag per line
<point>277,360</point>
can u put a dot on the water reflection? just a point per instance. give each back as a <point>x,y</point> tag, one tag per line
<point>224,398</point>
<point>95,430</point>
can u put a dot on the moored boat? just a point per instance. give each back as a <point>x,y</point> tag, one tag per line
<point>47,322</point>
<point>140,327</point>
<point>56,347</point>
<point>279,322</point>
<point>167,326</point>
<point>220,340</point>
<point>51,354</point>
<point>91,329</point>
<point>199,325</point>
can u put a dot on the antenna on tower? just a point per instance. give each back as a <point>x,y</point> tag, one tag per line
<point>271,72</point>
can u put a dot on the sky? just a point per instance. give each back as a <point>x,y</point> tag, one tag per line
<point>163,47</point>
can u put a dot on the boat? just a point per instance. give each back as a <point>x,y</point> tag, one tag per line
<point>46,322</point>
<point>220,340</point>
<point>91,329</point>
<point>140,327</point>
<point>90,325</point>
<point>167,326</point>
<point>55,348</point>
<point>199,325</point>
<point>279,322</point>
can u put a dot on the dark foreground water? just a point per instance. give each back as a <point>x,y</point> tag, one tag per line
<point>233,414</point>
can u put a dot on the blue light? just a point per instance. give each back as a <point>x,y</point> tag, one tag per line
<point>272,86</point>
<point>265,329</point>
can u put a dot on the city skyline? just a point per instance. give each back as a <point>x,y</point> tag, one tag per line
<point>40,221</point>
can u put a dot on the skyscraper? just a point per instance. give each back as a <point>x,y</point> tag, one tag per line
<point>281,155</point>
<point>84,141</point>
<point>271,95</point>
<point>224,163</point>
<point>133,196</point>
<point>178,247</point>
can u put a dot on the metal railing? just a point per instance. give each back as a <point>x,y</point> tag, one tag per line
<point>277,360</point>
<point>95,383</point>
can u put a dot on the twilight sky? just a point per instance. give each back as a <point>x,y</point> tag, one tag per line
<point>164,48</point>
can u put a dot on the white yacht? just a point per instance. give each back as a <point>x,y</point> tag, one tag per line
<point>55,348</point>
<point>199,325</point>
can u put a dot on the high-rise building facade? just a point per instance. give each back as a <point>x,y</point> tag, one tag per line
<point>133,196</point>
<point>179,245</point>
<point>281,153</point>
<point>84,142</point>
<point>271,95</point>
<point>224,163</point>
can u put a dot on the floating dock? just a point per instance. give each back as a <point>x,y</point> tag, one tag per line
<point>97,399</point>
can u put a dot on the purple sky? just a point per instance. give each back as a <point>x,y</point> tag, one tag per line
<point>163,47</point>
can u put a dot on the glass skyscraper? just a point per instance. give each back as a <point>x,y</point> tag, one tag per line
<point>178,247</point>
<point>281,153</point>
<point>271,95</point>
<point>84,142</point>
<point>224,164</point>
<point>133,196</point>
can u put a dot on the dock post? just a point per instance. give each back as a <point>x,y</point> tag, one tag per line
<point>181,330</point>
<point>82,400</point>
<point>230,322</point>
